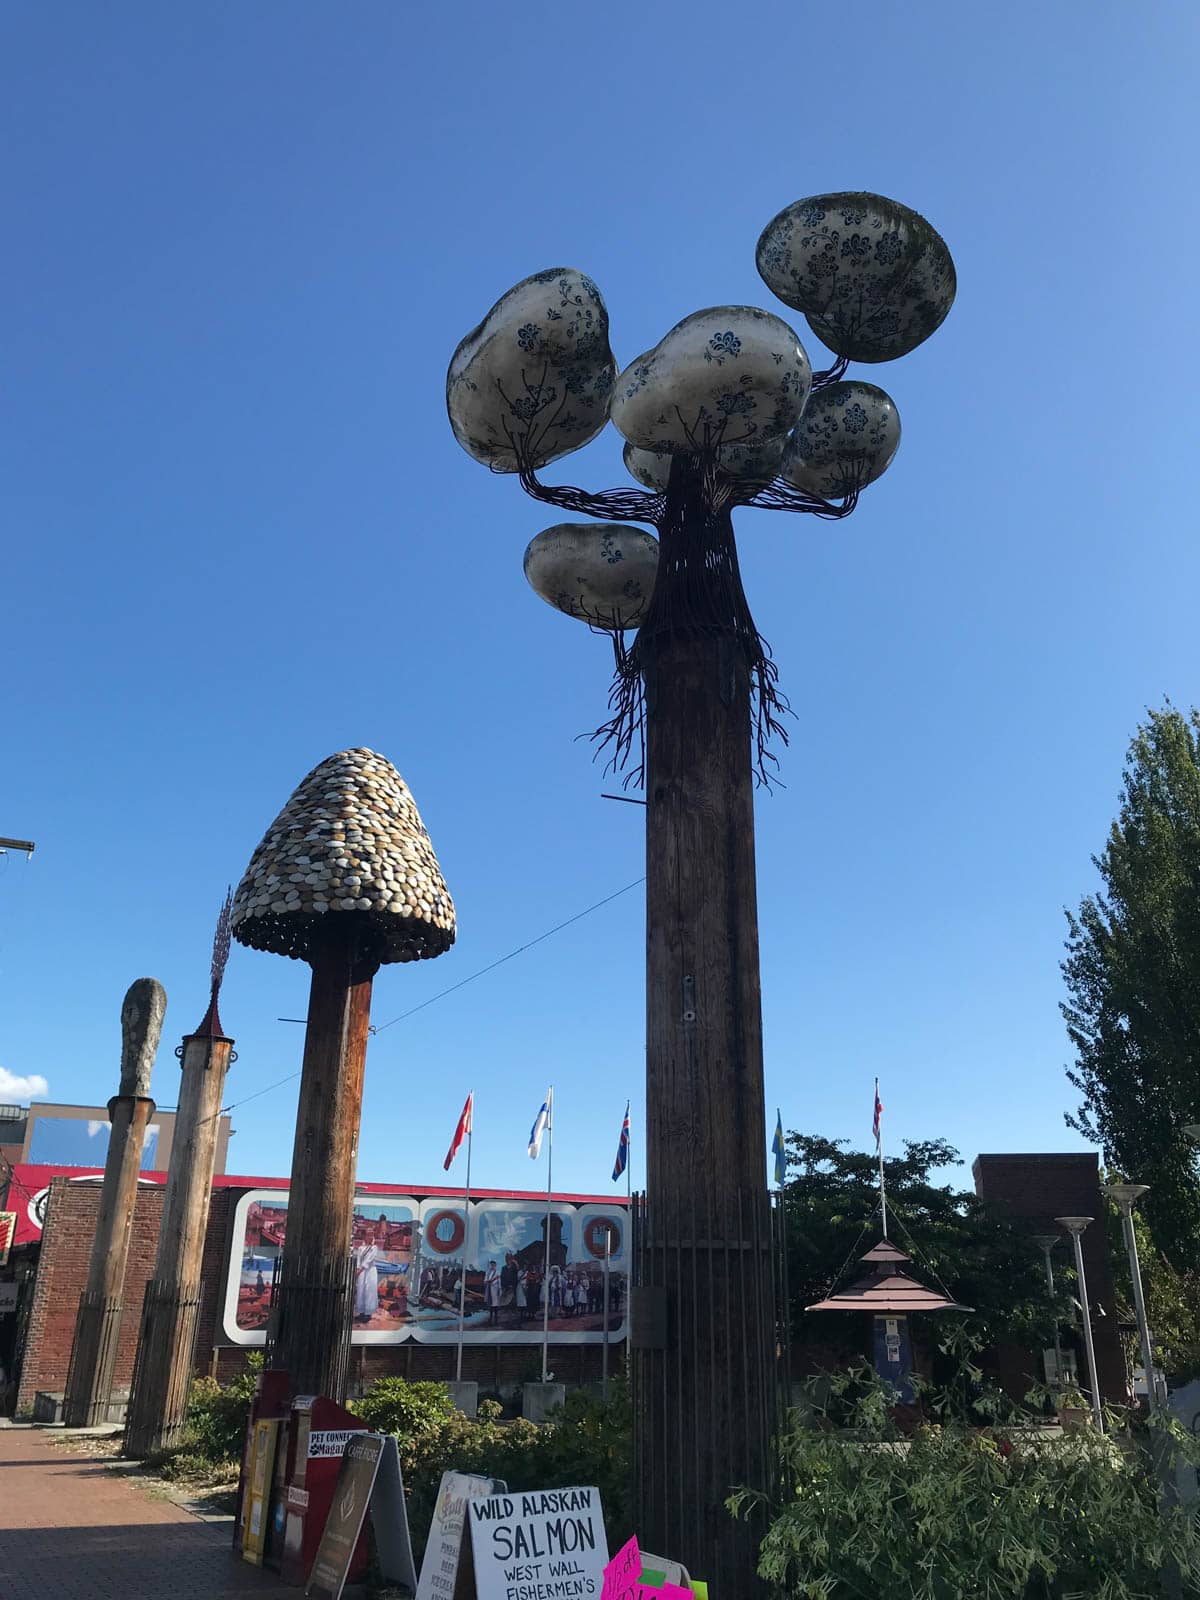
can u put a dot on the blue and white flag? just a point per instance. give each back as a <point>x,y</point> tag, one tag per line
<point>540,1124</point>
<point>622,1160</point>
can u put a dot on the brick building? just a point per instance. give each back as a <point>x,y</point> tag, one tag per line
<point>51,1296</point>
<point>1037,1189</point>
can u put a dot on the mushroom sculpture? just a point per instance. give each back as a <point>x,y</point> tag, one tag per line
<point>345,879</point>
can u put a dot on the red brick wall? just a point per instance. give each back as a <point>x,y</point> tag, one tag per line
<point>1039,1188</point>
<point>66,1250</point>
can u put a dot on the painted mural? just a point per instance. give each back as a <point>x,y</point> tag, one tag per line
<point>410,1256</point>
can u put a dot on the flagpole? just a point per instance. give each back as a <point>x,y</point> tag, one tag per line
<point>879,1152</point>
<point>607,1262</point>
<point>546,1265</point>
<point>462,1282</point>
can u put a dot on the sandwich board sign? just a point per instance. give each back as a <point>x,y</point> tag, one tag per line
<point>547,1544</point>
<point>369,1477</point>
<point>446,1571</point>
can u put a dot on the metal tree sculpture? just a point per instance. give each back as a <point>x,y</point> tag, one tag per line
<point>723,412</point>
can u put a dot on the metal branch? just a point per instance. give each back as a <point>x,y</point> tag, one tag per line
<point>833,374</point>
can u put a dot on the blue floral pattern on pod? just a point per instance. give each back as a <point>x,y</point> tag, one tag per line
<point>721,383</point>
<point>846,439</point>
<point>603,573</point>
<point>543,343</point>
<point>872,277</point>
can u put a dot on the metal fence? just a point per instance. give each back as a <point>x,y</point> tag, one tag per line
<point>710,1360</point>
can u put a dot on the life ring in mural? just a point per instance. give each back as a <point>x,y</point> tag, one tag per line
<point>436,1236</point>
<point>594,1231</point>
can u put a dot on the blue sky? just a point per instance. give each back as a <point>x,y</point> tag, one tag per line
<point>242,243</point>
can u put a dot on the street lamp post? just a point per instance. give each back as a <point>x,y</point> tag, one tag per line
<point>1046,1242</point>
<point>1126,1195</point>
<point>724,411</point>
<point>1075,1227</point>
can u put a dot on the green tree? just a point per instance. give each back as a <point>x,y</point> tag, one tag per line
<point>1172,1299</point>
<point>984,1257</point>
<point>1133,976</point>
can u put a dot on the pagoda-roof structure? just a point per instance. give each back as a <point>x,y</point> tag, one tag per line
<point>885,1289</point>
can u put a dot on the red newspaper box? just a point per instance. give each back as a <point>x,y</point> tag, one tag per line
<point>319,1433</point>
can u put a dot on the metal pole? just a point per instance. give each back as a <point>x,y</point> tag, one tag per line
<point>462,1282</point>
<point>546,1267</point>
<point>1075,1227</point>
<point>607,1259</point>
<point>882,1185</point>
<point>1125,1194</point>
<point>1047,1241</point>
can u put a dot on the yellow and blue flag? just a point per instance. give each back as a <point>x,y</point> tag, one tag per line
<point>778,1152</point>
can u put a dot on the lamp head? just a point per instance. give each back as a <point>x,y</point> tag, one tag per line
<point>1074,1225</point>
<point>1046,1241</point>
<point>1125,1193</point>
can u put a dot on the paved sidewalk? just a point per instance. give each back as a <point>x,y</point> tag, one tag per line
<point>72,1530</point>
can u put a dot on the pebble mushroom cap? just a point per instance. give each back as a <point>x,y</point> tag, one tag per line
<point>347,856</point>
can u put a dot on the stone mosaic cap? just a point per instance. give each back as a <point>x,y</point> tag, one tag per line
<point>349,843</point>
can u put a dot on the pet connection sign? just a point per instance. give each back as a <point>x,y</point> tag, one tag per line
<point>548,1544</point>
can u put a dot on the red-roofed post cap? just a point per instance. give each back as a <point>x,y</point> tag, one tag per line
<point>345,879</point>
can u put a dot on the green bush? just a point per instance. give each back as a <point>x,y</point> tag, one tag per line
<point>218,1414</point>
<point>411,1411</point>
<point>955,1513</point>
<point>586,1442</point>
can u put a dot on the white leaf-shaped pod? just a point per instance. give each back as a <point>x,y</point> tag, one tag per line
<point>846,439</point>
<point>746,460</point>
<point>871,275</point>
<point>724,378</point>
<point>538,367</point>
<point>600,572</point>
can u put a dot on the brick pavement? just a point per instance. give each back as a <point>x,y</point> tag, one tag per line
<point>71,1529</point>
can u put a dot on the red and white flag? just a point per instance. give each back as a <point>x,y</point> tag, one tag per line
<point>461,1132</point>
<point>875,1126</point>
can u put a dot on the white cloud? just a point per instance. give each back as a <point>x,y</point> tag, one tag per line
<point>15,1087</point>
<point>96,1126</point>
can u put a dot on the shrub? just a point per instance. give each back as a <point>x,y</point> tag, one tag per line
<point>953,1512</point>
<point>411,1411</point>
<point>586,1442</point>
<point>218,1414</point>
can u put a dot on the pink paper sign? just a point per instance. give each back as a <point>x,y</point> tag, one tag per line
<point>623,1579</point>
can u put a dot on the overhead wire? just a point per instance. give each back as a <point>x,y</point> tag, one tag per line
<point>454,987</point>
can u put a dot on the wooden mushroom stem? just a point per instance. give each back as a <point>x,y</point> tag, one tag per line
<point>311,1316</point>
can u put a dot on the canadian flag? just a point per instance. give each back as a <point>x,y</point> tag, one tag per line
<point>461,1132</point>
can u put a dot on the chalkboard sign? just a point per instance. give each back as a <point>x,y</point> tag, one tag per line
<point>369,1477</point>
<point>547,1544</point>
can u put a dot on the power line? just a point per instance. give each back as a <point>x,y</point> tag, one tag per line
<point>461,984</point>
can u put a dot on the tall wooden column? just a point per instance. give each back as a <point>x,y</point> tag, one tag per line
<point>312,1310</point>
<point>170,1310</point>
<point>98,1322</point>
<point>704,1379</point>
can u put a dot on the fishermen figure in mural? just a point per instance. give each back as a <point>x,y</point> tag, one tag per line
<point>366,1277</point>
<point>491,1294</point>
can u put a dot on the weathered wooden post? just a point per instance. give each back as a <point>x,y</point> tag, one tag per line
<point>345,879</point>
<point>98,1323</point>
<point>167,1337</point>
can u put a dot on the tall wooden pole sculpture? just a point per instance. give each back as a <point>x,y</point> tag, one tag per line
<point>167,1338</point>
<point>724,411</point>
<point>98,1323</point>
<point>345,879</point>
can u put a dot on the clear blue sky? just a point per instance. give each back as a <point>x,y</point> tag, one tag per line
<point>242,242</point>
